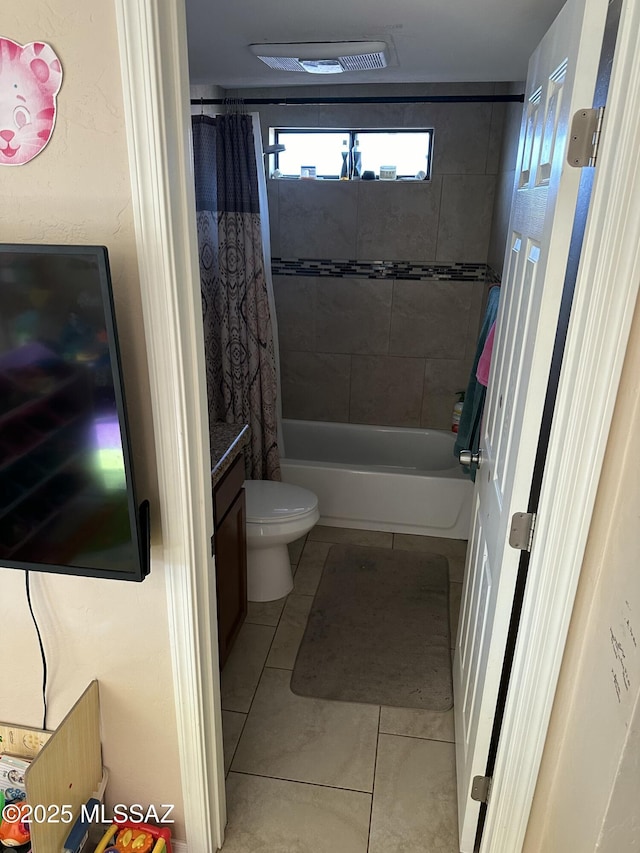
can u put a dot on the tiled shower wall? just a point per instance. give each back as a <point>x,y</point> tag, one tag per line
<point>375,351</point>
<point>384,350</point>
<point>505,180</point>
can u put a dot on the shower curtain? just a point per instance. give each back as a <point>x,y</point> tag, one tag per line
<point>242,382</point>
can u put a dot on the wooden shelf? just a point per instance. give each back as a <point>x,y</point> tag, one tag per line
<point>66,768</point>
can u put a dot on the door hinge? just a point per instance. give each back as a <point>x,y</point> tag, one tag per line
<point>584,139</point>
<point>521,532</point>
<point>481,788</point>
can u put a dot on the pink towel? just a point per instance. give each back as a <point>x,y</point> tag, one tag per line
<point>484,362</point>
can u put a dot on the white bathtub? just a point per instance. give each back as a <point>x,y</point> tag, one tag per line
<point>380,478</point>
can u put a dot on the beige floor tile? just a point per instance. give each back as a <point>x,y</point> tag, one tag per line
<point>295,549</point>
<point>265,612</point>
<point>415,722</point>
<point>350,536</point>
<point>414,802</point>
<point>455,599</point>
<point>439,545</point>
<point>290,631</point>
<point>276,816</point>
<point>307,740</point>
<point>232,725</point>
<point>241,673</point>
<point>307,576</point>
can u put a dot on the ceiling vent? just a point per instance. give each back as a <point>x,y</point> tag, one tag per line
<point>323,57</point>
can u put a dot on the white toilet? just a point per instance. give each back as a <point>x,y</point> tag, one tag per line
<point>277,513</point>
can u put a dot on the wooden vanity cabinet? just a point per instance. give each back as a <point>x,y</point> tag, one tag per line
<point>230,550</point>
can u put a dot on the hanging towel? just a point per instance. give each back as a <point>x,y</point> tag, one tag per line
<point>484,364</point>
<point>471,417</point>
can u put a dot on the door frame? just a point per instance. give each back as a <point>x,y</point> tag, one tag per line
<point>154,63</point>
<point>153,58</point>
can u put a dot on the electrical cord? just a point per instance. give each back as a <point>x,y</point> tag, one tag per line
<point>42,653</point>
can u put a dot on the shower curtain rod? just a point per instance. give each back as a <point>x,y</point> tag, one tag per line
<point>409,99</point>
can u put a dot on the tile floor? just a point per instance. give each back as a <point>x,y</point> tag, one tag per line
<point>314,776</point>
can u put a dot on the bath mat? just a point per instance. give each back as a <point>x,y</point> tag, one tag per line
<point>378,631</point>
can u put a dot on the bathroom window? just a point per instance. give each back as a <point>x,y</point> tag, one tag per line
<point>382,154</point>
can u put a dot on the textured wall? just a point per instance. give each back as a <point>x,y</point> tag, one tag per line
<point>78,191</point>
<point>587,792</point>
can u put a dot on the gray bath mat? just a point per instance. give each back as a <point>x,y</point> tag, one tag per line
<point>378,631</point>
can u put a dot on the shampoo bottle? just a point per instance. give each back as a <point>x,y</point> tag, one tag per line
<point>457,411</point>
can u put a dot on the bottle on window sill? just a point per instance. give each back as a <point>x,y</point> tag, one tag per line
<point>346,165</point>
<point>356,161</point>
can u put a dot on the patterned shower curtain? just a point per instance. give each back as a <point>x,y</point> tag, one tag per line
<point>238,336</point>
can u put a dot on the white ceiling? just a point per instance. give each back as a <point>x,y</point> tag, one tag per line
<point>430,40</point>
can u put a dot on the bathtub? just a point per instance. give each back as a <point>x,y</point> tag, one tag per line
<point>380,478</point>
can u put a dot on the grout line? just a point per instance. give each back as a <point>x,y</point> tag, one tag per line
<point>375,768</point>
<point>267,624</point>
<point>264,666</point>
<point>393,291</point>
<point>417,737</point>
<point>442,177</point>
<point>303,782</point>
<point>313,332</point>
<point>237,742</point>
<point>424,389</point>
<point>487,149</point>
<point>349,393</point>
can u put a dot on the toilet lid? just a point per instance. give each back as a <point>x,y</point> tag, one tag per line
<point>268,500</point>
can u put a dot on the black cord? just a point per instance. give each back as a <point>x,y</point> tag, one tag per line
<point>44,657</point>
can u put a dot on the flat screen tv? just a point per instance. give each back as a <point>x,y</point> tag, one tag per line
<point>67,497</point>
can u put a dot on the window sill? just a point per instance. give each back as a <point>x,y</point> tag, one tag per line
<point>289,178</point>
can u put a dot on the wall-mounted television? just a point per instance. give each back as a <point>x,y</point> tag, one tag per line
<point>67,497</point>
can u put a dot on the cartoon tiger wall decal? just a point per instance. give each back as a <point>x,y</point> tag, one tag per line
<point>30,79</point>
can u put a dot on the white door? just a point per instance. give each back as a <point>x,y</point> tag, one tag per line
<point>561,79</point>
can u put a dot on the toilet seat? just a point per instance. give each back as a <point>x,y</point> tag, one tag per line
<point>273,502</point>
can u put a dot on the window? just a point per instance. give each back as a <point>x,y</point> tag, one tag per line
<point>409,151</point>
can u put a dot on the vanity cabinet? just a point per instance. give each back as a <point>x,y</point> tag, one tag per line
<point>230,550</point>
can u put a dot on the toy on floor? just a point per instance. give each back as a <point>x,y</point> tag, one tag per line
<point>130,837</point>
<point>14,832</point>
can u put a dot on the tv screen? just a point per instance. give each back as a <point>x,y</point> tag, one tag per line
<point>67,496</point>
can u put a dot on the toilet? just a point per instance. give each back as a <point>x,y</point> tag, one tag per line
<point>277,513</point>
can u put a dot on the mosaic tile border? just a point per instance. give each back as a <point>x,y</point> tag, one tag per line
<point>383,269</point>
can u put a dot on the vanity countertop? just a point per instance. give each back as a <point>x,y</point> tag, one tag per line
<point>227,441</point>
